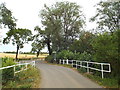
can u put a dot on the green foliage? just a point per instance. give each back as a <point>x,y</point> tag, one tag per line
<point>83,44</point>
<point>7,61</point>
<point>26,79</point>
<point>49,58</point>
<point>6,17</point>
<point>65,54</point>
<point>107,16</point>
<point>106,82</point>
<point>82,70</point>
<point>7,73</point>
<point>84,56</point>
<point>106,50</point>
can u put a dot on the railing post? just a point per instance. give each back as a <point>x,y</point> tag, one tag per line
<point>102,70</point>
<point>60,61</point>
<point>76,64</point>
<point>109,68</point>
<point>81,63</point>
<point>26,65</point>
<point>72,63</point>
<point>34,63</point>
<point>67,61</point>
<point>14,70</point>
<point>63,61</point>
<point>87,67</point>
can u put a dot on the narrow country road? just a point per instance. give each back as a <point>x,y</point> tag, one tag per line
<point>54,76</point>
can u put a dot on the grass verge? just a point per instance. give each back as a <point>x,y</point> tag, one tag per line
<point>25,79</point>
<point>105,82</point>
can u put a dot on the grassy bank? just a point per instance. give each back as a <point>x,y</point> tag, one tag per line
<point>25,79</point>
<point>105,82</point>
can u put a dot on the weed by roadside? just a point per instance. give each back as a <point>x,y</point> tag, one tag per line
<point>25,79</point>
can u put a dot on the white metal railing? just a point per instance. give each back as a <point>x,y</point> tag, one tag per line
<point>80,63</point>
<point>19,64</point>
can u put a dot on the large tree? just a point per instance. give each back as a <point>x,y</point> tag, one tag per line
<point>63,22</point>
<point>18,37</point>
<point>6,17</point>
<point>108,16</point>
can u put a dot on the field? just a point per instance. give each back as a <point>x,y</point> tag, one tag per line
<point>25,56</point>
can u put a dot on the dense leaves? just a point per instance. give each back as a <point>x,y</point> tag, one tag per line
<point>83,44</point>
<point>7,73</point>
<point>6,17</point>
<point>106,49</point>
<point>108,16</point>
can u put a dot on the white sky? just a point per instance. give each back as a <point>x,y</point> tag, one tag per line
<point>26,11</point>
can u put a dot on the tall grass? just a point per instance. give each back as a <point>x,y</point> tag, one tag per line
<point>25,79</point>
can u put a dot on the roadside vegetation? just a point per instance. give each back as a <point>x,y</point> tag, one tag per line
<point>25,79</point>
<point>29,78</point>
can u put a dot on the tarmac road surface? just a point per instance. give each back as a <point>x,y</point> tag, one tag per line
<point>53,76</point>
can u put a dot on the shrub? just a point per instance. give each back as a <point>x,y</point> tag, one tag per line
<point>7,73</point>
<point>49,58</point>
<point>65,54</point>
<point>83,56</point>
<point>106,50</point>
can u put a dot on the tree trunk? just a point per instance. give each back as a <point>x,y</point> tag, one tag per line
<point>48,45</point>
<point>17,53</point>
<point>38,53</point>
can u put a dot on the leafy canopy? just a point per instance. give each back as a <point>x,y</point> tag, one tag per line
<point>6,17</point>
<point>108,15</point>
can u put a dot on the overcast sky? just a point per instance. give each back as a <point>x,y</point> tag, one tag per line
<point>26,11</point>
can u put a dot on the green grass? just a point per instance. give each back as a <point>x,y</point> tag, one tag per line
<point>105,82</point>
<point>25,79</point>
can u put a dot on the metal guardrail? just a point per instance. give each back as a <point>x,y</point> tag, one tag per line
<point>80,63</point>
<point>19,64</point>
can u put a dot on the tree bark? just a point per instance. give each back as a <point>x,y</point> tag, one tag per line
<point>38,53</point>
<point>17,53</point>
<point>48,45</point>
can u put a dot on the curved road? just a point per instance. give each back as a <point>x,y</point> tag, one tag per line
<point>54,76</point>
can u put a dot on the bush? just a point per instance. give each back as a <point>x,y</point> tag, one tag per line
<point>7,73</point>
<point>83,56</point>
<point>106,50</point>
<point>65,54</point>
<point>49,58</point>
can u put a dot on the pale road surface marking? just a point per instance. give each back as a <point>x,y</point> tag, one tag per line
<point>53,76</point>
